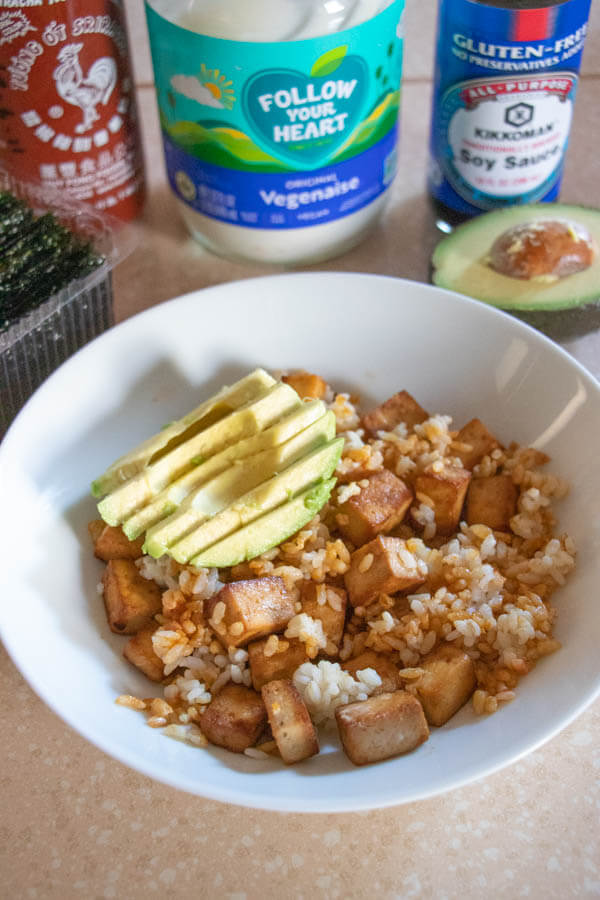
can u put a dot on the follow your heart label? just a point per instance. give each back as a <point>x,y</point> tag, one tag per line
<point>279,135</point>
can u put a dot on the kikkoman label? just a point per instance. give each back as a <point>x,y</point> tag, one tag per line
<point>507,137</point>
<point>279,135</point>
<point>505,87</point>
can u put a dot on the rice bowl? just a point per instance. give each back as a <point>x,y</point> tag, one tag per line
<point>398,326</point>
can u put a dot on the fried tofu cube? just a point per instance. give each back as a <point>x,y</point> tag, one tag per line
<point>383,566</point>
<point>95,529</point>
<point>531,458</point>
<point>380,505</point>
<point>293,730</point>
<point>245,610</point>
<point>139,651</point>
<point>111,543</point>
<point>481,441</point>
<point>307,385</point>
<point>234,719</point>
<point>131,601</point>
<point>447,684</point>
<point>328,604</point>
<point>281,664</point>
<point>385,668</point>
<point>492,501</point>
<point>447,490</point>
<point>402,407</point>
<point>382,726</point>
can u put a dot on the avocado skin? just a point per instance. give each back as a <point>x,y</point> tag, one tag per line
<point>459,261</point>
<point>271,529</point>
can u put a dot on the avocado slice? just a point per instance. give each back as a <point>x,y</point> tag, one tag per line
<point>244,422</point>
<point>267,531</point>
<point>313,468</point>
<point>168,500</point>
<point>461,261</point>
<point>213,409</point>
<point>240,478</point>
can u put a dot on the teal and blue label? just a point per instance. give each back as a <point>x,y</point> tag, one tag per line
<point>279,135</point>
<point>505,88</point>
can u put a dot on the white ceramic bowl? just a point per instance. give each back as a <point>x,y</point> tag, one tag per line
<point>364,333</point>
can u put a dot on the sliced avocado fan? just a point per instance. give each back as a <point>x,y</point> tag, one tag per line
<point>250,419</point>
<point>168,500</point>
<point>213,409</point>
<point>461,261</point>
<point>313,468</point>
<point>254,460</point>
<point>269,530</point>
<point>236,481</point>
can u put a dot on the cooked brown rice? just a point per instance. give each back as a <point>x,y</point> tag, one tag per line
<point>486,592</point>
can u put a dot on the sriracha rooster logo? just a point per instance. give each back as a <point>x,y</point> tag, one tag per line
<point>87,91</point>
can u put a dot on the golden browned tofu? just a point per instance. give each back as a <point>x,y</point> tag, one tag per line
<point>110,542</point>
<point>379,506</point>
<point>447,490</point>
<point>447,684</point>
<point>385,668</point>
<point>531,458</point>
<point>267,666</point>
<point>383,566</point>
<point>492,501</point>
<point>307,385</point>
<point>382,726</point>
<point>139,651</point>
<point>402,407</point>
<point>481,441</point>
<point>331,612</point>
<point>245,610</point>
<point>293,730</point>
<point>95,529</point>
<point>234,719</point>
<point>130,600</point>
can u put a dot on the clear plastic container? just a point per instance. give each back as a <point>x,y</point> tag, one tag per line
<point>279,120</point>
<point>36,343</point>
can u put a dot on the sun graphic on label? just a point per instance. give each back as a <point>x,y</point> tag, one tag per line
<point>186,186</point>
<point>219,86</point>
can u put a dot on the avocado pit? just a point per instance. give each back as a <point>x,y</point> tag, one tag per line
<point>543,250</point>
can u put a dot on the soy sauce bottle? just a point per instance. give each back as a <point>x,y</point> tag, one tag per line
<point>505,83</point>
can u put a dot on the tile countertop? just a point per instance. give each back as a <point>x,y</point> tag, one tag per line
<point>84,825</point>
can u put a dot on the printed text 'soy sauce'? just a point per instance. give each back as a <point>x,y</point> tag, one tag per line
<point>505,83</point>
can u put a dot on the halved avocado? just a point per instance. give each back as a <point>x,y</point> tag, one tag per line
<point>461,261</point>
